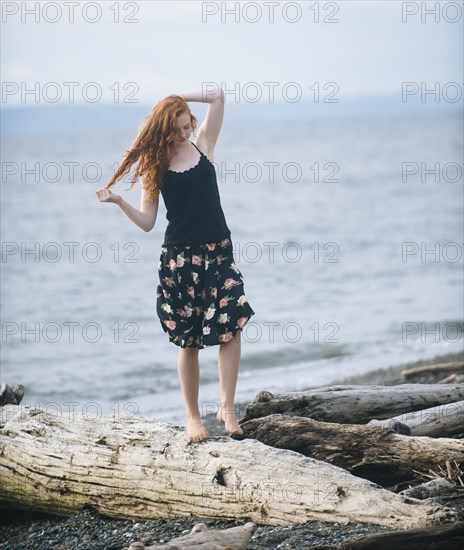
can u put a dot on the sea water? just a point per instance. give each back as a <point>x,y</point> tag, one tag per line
<point>351,261</point>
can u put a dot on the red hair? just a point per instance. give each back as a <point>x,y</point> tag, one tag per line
<point>153,147</point>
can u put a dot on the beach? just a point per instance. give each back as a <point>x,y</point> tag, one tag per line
<point>91,531</point>
<point>331,134</point>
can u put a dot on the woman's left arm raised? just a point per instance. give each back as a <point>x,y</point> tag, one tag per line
<point>209,129</point>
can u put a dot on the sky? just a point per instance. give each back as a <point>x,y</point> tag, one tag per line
<point>365,47</point>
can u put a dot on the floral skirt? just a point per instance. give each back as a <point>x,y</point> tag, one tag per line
<point>200,297</point>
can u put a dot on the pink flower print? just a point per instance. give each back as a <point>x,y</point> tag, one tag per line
<point>169,281</point>
<point>211,246</point>
<point>188,311</point>
<point>165,293</point>
<point>172,265</point>
<point>170,324</point>
<point>223,302</point>
<point>180,312</point>
<point>197,311</point>
<point>219,260</point>
<point>241,322</point>
<point>226,337</point>
<point>196,260</point>
<point>224,243</point>
<point>210,312</point>
<point>229,282</point>
<point>206,330</point>
<point>180,260</point>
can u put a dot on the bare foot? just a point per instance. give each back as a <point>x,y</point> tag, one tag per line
<point>230,424</point>
<point>195,429</point>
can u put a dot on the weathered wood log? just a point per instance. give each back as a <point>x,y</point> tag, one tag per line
<point>392,424</point>
<point>432,488</point>
<point>452,379</point>
<point>11,395</point>
<point>372,452</point>
<point>443,537</point>
<point>354,404</point>
<point>441,421</point>
<point>439,367</point>
<point>144,468</point>
<point>201,538</point>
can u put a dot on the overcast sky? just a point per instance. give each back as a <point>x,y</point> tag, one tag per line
<point>174,47</point>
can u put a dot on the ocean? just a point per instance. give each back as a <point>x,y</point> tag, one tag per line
<point>348,232</point>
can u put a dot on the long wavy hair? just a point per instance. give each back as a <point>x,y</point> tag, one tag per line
<point>153,147</point>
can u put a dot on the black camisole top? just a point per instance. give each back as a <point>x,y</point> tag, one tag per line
<point>193,205</point>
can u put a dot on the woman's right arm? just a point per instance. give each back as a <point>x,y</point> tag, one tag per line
<point>145,218</point>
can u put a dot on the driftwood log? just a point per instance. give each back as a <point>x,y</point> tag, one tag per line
<point>372,452</point>
<point>442,537</point>
<point>354,404</point>
<point>439,367</point>
<point>432,488</point>
<point>144,468</point>
<point>452,378</point>
<point>11,395</point>
<point>201,538</point>
<point>441,421</point>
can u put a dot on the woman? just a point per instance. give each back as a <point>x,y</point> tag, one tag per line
<point>201,300</point>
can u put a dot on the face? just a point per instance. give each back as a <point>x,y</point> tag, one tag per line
<point>183,128</point>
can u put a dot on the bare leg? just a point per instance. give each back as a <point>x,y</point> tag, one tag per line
<point>189,378</point>
<point>228,366</point>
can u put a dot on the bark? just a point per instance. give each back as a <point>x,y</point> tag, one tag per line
<point>441,421</point>
<point>354,404</point>
<point>143,468</point>
<point>372,452</point>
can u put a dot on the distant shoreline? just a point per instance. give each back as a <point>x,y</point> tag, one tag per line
<point>390,376</point>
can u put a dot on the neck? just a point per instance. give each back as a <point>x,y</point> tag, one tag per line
<point>179,147</point>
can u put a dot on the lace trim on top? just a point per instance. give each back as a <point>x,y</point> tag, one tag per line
<point>188,169</point>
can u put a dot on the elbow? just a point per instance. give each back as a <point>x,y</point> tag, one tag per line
<point>149,227</point>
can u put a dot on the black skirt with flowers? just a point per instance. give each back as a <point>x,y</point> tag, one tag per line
<point>200,297</point>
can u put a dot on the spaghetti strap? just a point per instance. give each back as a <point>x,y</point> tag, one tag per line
<point>196,148</point>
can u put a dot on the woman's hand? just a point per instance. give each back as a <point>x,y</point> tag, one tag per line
<point>106,195</point>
